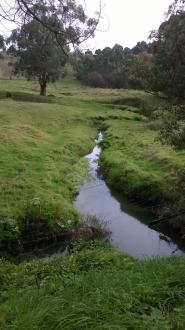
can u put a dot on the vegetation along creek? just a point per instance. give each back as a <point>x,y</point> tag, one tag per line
<point>92,165</point>
<point>128,224</point>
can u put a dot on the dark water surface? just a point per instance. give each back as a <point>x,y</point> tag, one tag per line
<point>128,223</point>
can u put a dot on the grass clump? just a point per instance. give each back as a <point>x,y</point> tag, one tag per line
<point>93,288</point>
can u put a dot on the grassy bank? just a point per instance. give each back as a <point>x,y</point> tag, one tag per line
<point>44,139</point>
<point>94,288</point>
<point>41,156</point>
<point>136,163</point>
<point>43,143</point>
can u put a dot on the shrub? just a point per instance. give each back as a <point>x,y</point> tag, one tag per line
<point>95,79</point>
<point>173,128</point>
<point>49,212</point>
<point>8,229</point>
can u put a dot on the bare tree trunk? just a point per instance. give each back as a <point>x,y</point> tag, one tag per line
<point>43,79</point>
<point>43,89</point>
<point>11,75</point>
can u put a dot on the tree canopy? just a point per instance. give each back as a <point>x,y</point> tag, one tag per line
<point>169,55</point>
<point>66,19</point>
<point>115,67</point>
<point>38,53</point>
<point>47,30</point>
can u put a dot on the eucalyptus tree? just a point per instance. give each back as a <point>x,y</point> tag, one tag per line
<point>45,32</point>
<point>169,56</point>
<point>176,7</point>
<point>109,67</point>
<point>66,19</point>
<point>38,53</point>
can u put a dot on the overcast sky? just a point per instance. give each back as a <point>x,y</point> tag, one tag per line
<point>129,21</point>
<point>124,21</point>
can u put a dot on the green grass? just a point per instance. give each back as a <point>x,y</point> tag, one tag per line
<point>41,153</point>
<point>94,288</point>
<point>141,167</point>
<point>43,143</point>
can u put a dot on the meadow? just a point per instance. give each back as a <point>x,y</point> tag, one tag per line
<point>43,144</point>
<point>44,141</point>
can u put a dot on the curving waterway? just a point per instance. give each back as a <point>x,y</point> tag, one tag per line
<point>128,223</point>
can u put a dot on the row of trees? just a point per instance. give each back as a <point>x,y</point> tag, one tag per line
<point>48,28</point>
<point>168,73</point>
<point>158,66</point>
<point>115,67</point>
<point>46,31</point>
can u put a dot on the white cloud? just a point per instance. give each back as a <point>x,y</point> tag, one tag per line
<point>130,20</point>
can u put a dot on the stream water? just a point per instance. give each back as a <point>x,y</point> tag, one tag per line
<point>129,224</point>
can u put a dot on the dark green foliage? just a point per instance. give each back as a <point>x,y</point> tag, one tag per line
<point>169,53</point>
<point>167,73</point>
<point>141,71</point>
<point>39,54</point>
<point>173,127</point>
<point>95,79</point>
<point>142,47</point>
<point>42,42</point>
<point>8,228</point>
<point>113,68</point>
<point>65,19</point>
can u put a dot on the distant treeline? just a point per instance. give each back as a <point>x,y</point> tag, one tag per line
<point>115,67</point>
<point>158,66</point>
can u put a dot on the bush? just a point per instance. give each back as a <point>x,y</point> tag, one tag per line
<point>50,213</point>
<point>173,128</point>
<point>95,79</point>
<point>8,229</point>
<point>173,134</point>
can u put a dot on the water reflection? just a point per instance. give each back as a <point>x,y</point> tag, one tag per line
<point>128,223</point>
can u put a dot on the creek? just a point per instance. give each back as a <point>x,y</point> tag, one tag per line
<point>128,223</point>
